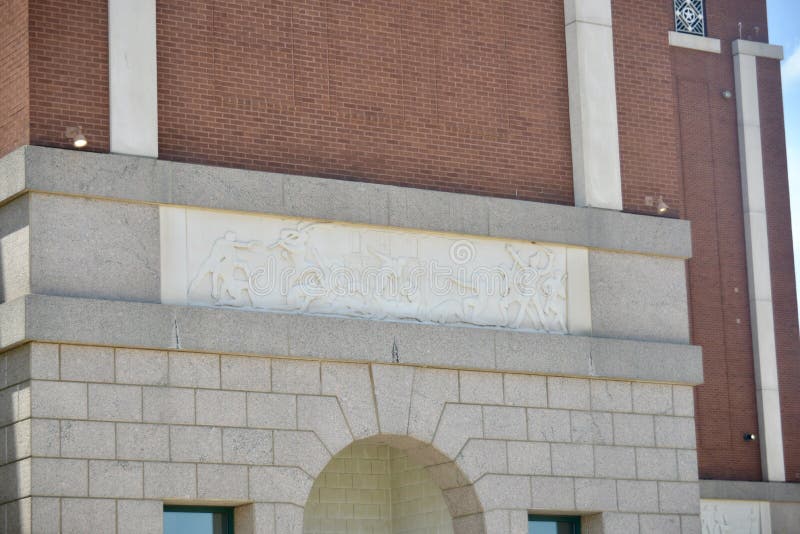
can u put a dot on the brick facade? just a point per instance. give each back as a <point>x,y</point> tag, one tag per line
<point>464,99</point>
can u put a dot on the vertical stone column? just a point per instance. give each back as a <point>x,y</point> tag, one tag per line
<point>132,75</point>
<point>593,104</point>
<point>757,244</point>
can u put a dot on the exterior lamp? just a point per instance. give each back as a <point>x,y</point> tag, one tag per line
<point>75,134</point>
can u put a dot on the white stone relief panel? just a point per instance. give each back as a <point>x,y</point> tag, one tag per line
<point>735,517</point>
<point>307,266</point>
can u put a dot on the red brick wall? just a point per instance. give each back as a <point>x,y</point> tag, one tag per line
<point>717,273</point>
<point>648,125</point>
<point>13,74</point>
<point>450,95</point>
<point>779,224</point>
<point>69,71</point>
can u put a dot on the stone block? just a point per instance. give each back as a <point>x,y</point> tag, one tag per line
<point>288,519</point>
<point>256,518</point>
<point>633,429</point>
<point>624,304</point>
<point>15,441</point>
<point>271,410</point>
<point>195,444</point>
<point>616,522</point>
<point>60,400</point>
<point>568,393</point>
<point>168,405</point>
<point>227,482</point>
<point>663,524</point>
<point>296,376</point>
<point>59,477</point>
<point>145,367</point>
<point>301,449</point>
<point>432,389</point>
<point>325,418</point>
<point>592,427</point>
<point>525,390</point>
<point>142,442</point>
<point>652,398</point>
<point>678,432</point>
<point>45,514</point>
<point>15,480</point>
<point>637,496</point>
<point>549,425</point>
<point>247,446</point>
<point>552,493</point>
<point>529,352</point>
<point>459,422</point>
<point>352,385</point>
<point>690,524</point>
<point>679,497</point>
<point>170,481</point>
<point>479,457</point>
<point>504,422</point>
<point>499,491</point>
<point>110,402</point>
<point>461,502</point>
<point>572,460</point>
<point>611,396</point>
<point>656,464</point>
<point>140,517</point>
<point>687,465</point>
<point>15,516</point>
<point>87,439</point>
<point>87,364</point>
<point>45,437</point>
<point>121,237</point>
<point>247,374</point>
<point>481,388</point>
<point>683,400</point>
<point>221,408</point>
<point>280,484</point>
<point>79,516</point>
<point>116,479</point>
<point>393,397</point>
<point>595,494</point>
<point>525,458</point>
<point>614,462</point>
<point>194,370</point>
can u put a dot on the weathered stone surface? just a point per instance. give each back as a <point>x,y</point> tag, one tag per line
<point>228,482</point>
<point>572,460</point>
<point>146,367</point>
<point>296,376</point>
<point>549,425</point>
<point>58,400</point>
<point>116,479</point>
<point>569,393</point>
<point>194,370</point>
<point>88,515</point>
<point>393,397</point>
<point>247,446</point>
<point>110,402</point>
<point>59,477</point>
<point>142,442</point>
<point>481,388</point>
<point>139,517</point>
<point>170,481</point>
<point>432,389</point>
<point>168,405</point>
<point>87,439</point>
<point>270,410</point>
<point>249,374</point>
<point>525,458</point>
<point>525,390</point>
<point>351,384</point>
<point>221,408</point>
<point>195,444</point>
<point>552,493</point>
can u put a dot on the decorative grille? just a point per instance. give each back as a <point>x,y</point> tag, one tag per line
<point>690,17</point>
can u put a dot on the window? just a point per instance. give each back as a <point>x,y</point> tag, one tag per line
<point>690,16</point>
<point>197,520</point>
<point>552,524</point>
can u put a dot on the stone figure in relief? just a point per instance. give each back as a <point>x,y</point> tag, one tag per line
<point>306,269</point>
<point>228,271</point>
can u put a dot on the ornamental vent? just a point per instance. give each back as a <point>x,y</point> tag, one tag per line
<point>690,16</point>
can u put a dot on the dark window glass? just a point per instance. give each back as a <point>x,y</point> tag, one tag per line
<point>197,520</point>
<point>544,524</point>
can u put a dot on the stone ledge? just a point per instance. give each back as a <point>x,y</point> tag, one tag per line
<point>695,42</point>
<point>755,48</point>
<point>216,330</point>
<point>139,179</point>
<point>750,491</point>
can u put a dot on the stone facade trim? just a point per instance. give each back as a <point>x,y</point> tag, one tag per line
<point>161,326</point>
<point>695,42</point>
<point>139,179</point>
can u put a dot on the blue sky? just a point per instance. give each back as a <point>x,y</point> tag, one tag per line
<point>784,29</point>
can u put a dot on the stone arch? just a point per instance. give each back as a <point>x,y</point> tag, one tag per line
<point>458,496</point>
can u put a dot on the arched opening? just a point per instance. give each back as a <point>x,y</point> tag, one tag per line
<point>390,485</point>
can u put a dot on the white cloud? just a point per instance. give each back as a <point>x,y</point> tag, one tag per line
<point>791,68</point>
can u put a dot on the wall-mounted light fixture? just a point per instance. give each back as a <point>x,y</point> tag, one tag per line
<point>661,206</point>
<point>75,134</point>
<point>749,437</point>
<point>727,94</point>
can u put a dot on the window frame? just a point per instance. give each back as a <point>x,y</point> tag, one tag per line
<point>573,520</point>
<point>226,510</point>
